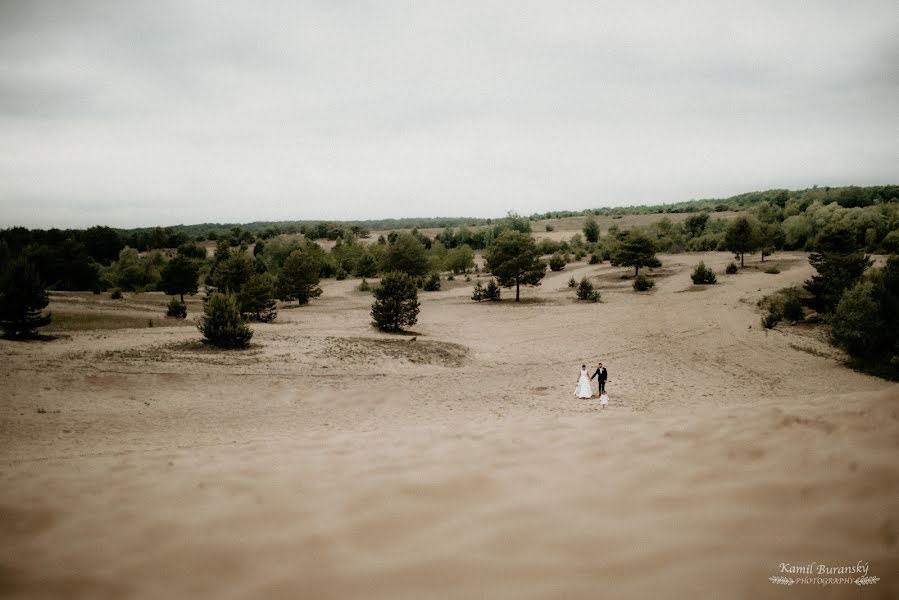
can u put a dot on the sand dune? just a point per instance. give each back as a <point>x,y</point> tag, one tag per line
<point>331,461</point>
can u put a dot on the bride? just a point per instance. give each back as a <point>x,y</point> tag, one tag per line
<point>584,390</point>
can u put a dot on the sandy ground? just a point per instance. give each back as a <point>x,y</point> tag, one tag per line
<point>330,461</point>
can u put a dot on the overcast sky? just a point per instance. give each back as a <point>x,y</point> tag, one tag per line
<point>145,113</point>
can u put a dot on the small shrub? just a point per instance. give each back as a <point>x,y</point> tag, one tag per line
<point>772,270</point>
<point>340,275</point>
<point>176,309</point>
<point>467,277</point>
<point>792,309</point>
<point>585,291</point>
<point>478,292</point>
<point>572,283</point>
<point>115,294</point>
<point>492,291</point>
<point>594,259</point>
<point>579,255</point>
<point>550,227</point>
<point>149,322</point>
<point>731,268</point>
<point>643,283</point>
<point>702,275</point>
<point>221,324</point>
<point>364,286</point>
<point>432,283</point>
<point>557,262</point>
<point>450,277</point>
<point>772,318</point>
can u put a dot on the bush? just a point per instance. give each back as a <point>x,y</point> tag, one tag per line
<point>772,270</point>
<point>702,275</point>
<point>396,303</point>
<point>594,259</point>
<point>115,294</point>
<point>585,291</point>
<point>731,268</point>
<point>866,321</point>
<point>571,282</point>
<point>557,262</point>
<point>221,324</point>
<point>340,275</point>
<point>364,286</point>
<point>492,291</point>
<point>432,283</point>
<point>550,227</point>
<point>176,309</point>
<point>643,283</point>
<point>478,293</point>
<point>772,318</point>
<point>792,309</point>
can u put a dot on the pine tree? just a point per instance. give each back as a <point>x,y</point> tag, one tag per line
<point>179,276</point>
<point>22,300</point>
<point>513,258</point>
<point>635,249</point>
<point>396,303</point>
<point>257,298</point>
<point>221,324</point>
<point>591,229</point>
<point>299,277</point>
<point>840,264</point>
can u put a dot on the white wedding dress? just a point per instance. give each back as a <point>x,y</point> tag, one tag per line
<point>584,390</point>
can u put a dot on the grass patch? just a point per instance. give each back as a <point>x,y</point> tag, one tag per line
<point>98,320</point>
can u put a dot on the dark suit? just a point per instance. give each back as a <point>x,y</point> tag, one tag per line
<point>601,376</point>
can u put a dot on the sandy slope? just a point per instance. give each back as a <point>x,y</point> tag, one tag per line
<point>330,461</point>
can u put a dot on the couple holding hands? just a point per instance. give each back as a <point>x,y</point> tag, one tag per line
<point>585,388</point>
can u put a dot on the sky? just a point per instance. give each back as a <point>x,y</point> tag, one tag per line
<point>140,113</point>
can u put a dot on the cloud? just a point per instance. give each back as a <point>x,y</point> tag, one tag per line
<point>179,112</point>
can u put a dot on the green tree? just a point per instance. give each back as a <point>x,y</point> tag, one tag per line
<point>407,255</point>
<point>635,249</point>
<point>742,236</point>
<point>513,258</point>
<point>366,266</point>
<point>230,274</point>
<point>22,300</point>
<point>839,264</point>
<point>131,272</point>
<point>591,229</point>
<point>396,303</point>
<point>102,243</point>
<point>257,298</point>
<point>586,291</point>
<point>222,250</point>
<point>191,250</point>
<point>179,277</point>
<point>221,324</point>
<point>695,224</point>
<point>460,260</point>
<point>557,262</point>
<point>299,277</point>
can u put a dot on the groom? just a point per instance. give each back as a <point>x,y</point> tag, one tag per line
<point>602,375</point>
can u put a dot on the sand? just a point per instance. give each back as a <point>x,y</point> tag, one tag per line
<point>331,461</point>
